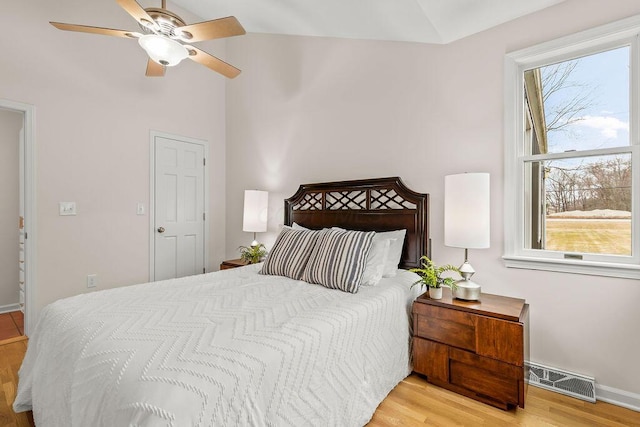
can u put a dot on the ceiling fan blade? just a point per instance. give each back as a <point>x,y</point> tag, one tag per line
<point>95,30</point>
<point>138,13</point>
<point>215,29</point>
<point>154,69</point>
<point>212,62</point>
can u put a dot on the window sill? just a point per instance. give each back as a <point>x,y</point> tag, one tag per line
<point>627,271</point>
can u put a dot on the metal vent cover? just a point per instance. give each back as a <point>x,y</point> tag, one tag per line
<point>574,385</point>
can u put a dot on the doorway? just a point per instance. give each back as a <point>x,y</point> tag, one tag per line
<point>179,200</point>
<point>18,122</point>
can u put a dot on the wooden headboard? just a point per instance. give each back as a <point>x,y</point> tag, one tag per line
<point>382,204</point>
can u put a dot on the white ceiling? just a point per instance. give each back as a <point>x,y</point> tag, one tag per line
<point>425,21</point>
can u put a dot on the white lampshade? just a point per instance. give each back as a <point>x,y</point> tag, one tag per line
<point>256,204</point>
<point>163,50</point>
<point>466,210</point>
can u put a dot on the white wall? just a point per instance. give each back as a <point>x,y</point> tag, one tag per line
<point>94,110</point>
<point>10,125</point>
<point>316,109</point>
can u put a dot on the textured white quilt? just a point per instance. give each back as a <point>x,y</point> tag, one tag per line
<point>231,348</point>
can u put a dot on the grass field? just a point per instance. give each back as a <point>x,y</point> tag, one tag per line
<point>604,236</point>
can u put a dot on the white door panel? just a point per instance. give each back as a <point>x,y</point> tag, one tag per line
<point>179,208</point>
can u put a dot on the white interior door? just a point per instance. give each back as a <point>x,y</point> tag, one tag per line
<point>179,211</point>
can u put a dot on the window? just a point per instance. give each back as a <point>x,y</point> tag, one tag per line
<point>571,153</point>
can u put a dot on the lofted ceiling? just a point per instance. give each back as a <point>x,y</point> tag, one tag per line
<point>424,21</point>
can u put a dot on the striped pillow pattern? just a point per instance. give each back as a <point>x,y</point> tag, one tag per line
<point>339,259</point>
<point>290,253</point>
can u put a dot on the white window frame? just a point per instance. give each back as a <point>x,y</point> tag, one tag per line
<point>621,33</point>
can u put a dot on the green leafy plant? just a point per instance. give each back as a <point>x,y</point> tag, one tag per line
<point>253,254</point>
<point>431,274</point>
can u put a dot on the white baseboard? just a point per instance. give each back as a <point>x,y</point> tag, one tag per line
<point>618,397</point>
<point>9,307</point>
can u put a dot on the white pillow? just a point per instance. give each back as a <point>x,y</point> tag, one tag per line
<point>374,267</point>
<point>395,251</point>
<point>297,226</point>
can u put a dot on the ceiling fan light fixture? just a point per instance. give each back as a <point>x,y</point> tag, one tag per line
<point>163,50</point>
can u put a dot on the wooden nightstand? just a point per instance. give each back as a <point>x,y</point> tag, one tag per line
<point>475,348</point>
<point>232,263</point>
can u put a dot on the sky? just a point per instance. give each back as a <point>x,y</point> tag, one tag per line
<point>604,77</point>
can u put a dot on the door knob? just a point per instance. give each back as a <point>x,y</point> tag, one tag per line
<point>160,229</point>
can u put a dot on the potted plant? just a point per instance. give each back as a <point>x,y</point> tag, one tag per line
<point>253,254</point>
<point>431,277</point>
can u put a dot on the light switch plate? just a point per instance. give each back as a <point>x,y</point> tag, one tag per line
<point>67,208</point>
<point>140,209</point>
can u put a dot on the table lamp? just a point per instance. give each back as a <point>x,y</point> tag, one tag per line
<point>254,221</point>
<point>467,223</point>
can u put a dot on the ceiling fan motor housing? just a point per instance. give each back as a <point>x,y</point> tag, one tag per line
<point>167,23</point>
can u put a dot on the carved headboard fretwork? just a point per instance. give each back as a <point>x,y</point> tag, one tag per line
<point>382,204</point>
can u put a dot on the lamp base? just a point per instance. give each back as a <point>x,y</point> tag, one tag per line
<point>467,290</point>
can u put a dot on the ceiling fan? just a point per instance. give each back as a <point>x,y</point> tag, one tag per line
<point>166,38</point>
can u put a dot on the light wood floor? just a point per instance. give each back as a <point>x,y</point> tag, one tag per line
<point>11,355</point>
<point>413,402</point>
<point>11,325</point>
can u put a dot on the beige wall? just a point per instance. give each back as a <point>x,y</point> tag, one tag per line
<point>94,110</point>
<point>10,125</point>
<point>317,109</point>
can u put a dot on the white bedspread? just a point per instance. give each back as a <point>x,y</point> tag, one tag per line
<point>232,348</point>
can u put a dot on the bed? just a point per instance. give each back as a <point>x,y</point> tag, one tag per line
<point>237,347</point>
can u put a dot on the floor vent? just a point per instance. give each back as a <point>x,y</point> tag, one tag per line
<point>568,383</point>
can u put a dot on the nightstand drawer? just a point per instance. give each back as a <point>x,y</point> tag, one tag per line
<point>486,377</point>
<point>449,327</point>
<point>503,340</point>
<point>431,359</point>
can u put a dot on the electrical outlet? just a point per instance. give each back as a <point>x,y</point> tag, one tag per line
<point>92,280</point>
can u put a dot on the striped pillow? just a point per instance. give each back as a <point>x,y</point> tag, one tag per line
<point>339,259</point>
<point>290,253</point>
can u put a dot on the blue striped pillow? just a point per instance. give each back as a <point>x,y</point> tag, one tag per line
<point>290,253</point>
<point>338,259</point>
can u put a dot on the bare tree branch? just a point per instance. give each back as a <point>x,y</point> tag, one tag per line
<point>577,97</point>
